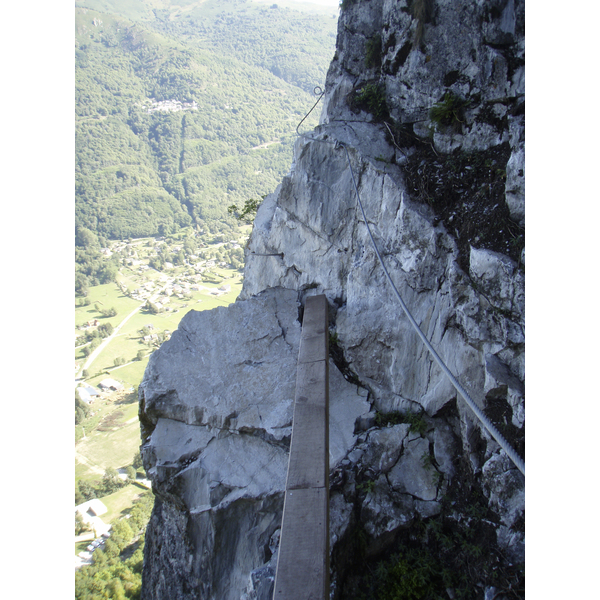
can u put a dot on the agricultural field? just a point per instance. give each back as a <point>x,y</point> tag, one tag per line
<point>109,437</point>
<point>149,304</point>
<point>135,315</point>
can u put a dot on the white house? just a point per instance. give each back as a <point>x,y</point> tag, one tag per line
<point>87,393</point>
<point>90,512</point>
<point>91,508</point>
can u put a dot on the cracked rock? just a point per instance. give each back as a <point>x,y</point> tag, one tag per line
<point>217,403</point>
<point>384,447</point>
<point>414,474</point>
<point>221,391</point>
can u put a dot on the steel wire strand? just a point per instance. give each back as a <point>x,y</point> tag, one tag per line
<point>485,421</point>
<point>510,451</point>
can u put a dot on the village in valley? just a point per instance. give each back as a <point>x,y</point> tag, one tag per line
<point>117,327</point>
<point>158,281</point>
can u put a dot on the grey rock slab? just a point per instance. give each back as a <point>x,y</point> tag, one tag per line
<point>499,378</point>
<point>346,406</point>
<point>512,543</point>
<point>410,475</point>
<point>168,555</point>
<point>230,542</point>
<point>498,278</point>
<point>515,185</point>
<point>173,440</point>
<point>355,455</point>
<point>229,368</point>
<point>384,447</point>
<point>447,143</point>
<point>233,467</point>
<point>518,406</point>
<point>382,513</point>
<point>322,248</point>
<point>445,448</point>
<point>506,488</point>
<point>340,513</point>
<point>261,584</point>
<point>232,370</point>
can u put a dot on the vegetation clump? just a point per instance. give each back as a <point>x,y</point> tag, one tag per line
<point>371,98</point>
<point>448,112</point>
<point>466,190</point>
<point>116,571</point>
<point>82,410</point>
<point>91,268</point>
<point>110,483</point>
<point>247,213</point>
<point>417,421</point>
<point>409,574</point>
<point>451,555</point>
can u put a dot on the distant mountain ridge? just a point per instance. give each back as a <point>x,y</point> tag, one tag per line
<point>139,170</point>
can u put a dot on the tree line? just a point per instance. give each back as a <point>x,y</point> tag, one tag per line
<point>116,570</point>
<point>110,483</point>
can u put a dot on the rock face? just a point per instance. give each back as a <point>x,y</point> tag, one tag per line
<point>424,101</point>
<point>216,405</point>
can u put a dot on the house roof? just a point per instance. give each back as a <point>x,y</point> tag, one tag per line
<point>110,383</point>
<point>84,395</point>
<point>92,508</point>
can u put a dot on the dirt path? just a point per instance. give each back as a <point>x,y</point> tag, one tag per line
<point>94,355</point>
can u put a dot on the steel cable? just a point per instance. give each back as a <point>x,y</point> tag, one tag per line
<point>485,421</point>
<point>510,451</point>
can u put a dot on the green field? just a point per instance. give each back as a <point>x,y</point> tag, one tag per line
<point>127,342</point>
<point>112,440</point>
<point>112,436</point>
<point>106,296</point>
<point>109,436</point>
<point>120,502</point>
<point>128,373</point>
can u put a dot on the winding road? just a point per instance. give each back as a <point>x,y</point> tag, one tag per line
<point>92,357</point>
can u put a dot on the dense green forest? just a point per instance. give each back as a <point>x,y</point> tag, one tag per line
<point>183,111</point>
<point>117,569</point>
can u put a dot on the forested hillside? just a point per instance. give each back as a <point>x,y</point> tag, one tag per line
<point>185,110</point>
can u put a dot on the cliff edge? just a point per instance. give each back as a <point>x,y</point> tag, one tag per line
<point>423,111</point>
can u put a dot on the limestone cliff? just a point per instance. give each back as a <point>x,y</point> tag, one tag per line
<point>428,98</point>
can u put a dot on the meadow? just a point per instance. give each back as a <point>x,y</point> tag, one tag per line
<point>109,436</point>
<point>126,344</point>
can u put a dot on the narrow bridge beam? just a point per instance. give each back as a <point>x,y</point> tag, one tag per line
<point>303,562</point>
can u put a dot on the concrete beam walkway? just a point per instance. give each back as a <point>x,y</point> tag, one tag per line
<point>303,562</point>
